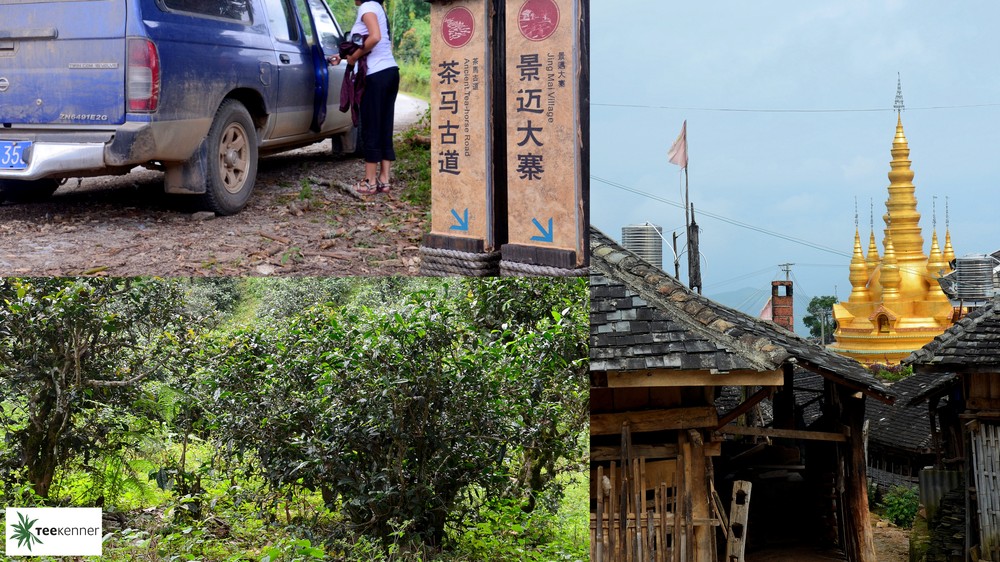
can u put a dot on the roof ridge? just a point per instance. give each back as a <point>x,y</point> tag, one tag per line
<point>698,310</point>
<point>955,333</point>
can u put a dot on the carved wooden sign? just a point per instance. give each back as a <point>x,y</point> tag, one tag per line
<point>461,159</point>
<point>545,183</point>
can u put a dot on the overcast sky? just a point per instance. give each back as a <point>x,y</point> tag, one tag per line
<point>796,173</point>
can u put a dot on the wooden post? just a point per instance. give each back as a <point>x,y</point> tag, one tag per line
<point>613,516</point>
<point>680,542</point>
<point>738,514</point>
<point>468,205</point>
<point>857,524</point>
<point>547,125</point>
<point>599,535</point>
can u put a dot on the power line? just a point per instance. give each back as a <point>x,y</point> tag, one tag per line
<point>742,277</point>
<point>718,217</point>
<point>773,110</point>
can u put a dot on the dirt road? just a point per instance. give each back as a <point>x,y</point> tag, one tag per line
<point>296,223</point>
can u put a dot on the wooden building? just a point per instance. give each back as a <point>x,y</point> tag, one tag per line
<point>900,440</point>
<point>664,457</point>
<point>964,405</point>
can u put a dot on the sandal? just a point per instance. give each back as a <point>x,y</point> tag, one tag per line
<point>382,187</point>
<point>363,187</point>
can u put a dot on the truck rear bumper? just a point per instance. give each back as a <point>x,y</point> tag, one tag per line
<point>58,153</point>
<point>54,159</point>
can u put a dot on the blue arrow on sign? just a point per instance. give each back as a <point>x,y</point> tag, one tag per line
<point>546,235</point>
<point>463,223</point>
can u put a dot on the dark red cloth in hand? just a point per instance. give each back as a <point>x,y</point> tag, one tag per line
<point>353,86</point>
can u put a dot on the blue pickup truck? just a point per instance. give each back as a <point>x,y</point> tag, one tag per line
<point>196,88</point>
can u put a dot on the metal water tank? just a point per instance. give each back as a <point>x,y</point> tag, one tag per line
<point>974,277</point>
<point>645,241</point>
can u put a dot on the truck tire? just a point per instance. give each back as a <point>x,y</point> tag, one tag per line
<point>232,159</point>
<point>28,191</point>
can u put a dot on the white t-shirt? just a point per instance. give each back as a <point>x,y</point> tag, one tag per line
<point>379,58</point>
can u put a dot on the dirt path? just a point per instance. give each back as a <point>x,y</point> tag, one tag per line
<point>296,223</point>
<point>892,544</point>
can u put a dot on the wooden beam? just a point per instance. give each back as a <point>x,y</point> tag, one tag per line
<point>667,377</point>
<point>852,385</point>
<point>744,407</point>
<point>651,452</point>
<point>783,433</point>
<point>654,420</point>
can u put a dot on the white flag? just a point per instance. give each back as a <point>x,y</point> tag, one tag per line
<point>678,153</point>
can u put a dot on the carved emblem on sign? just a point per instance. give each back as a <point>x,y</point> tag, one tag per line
<point>538,19</point>
<point>458,27</point>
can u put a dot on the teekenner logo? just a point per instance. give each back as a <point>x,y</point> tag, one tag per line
<point>53,531</point>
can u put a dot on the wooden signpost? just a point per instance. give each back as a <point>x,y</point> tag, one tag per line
<point>509,118</point>
<point>464,235</point>
<point>547,162</point>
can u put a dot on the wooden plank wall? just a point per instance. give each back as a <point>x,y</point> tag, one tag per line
<point>655,510</point>
<point>986,466</point>
<point>984,391</point>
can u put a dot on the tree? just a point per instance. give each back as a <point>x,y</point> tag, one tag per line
<point>73,355</point>
<point>394,412</point>
<point>820,319</point>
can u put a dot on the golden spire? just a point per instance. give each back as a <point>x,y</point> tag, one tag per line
<point>902,203</point>
<point>936,267</point>
<point>949,252</point>
<point>873,258</point>
<point>936,263</point>
<point>859,273</point>
<point>890,271</point>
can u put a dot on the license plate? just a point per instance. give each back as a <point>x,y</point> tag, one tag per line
<point>12,154</point>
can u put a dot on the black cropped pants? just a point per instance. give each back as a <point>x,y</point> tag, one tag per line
<point>377,104</point>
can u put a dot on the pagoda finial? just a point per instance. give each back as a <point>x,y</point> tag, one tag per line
<point>855,212</point>
<point>949,250</point>
<point>899,94</point>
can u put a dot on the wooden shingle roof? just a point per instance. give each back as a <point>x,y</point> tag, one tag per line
<point>904,425</point>
<point>642,318</point>
<point>971,344</point>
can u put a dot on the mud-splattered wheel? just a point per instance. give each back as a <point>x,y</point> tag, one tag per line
<point>232,159</point>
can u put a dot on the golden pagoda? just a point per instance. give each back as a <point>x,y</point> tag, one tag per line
<point>896,304</point>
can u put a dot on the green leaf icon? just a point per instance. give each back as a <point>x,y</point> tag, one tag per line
<point>22,532</point>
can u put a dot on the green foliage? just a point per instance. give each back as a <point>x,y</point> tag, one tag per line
<point>890,373</point>
<point>413,162</point>
<point>300,549</point>
<point>349,419</point>
<point>900,505</point>
<point>409,22</point>
<point>503,530</point>
<point>415,44</point>
<point>211,298</point>
<point>820,317</point>
<point>345,12</point>
<point>72,355</point>
<point>397,409</point>
<point>415,79</point>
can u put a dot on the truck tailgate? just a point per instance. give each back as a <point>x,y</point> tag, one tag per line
<point>62,62</point>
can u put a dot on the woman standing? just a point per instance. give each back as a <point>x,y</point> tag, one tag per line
<point>379,97</point>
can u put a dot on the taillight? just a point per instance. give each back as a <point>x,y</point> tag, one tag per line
<point>143,75</point>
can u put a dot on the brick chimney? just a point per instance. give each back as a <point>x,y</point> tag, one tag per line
<point>781,304</point>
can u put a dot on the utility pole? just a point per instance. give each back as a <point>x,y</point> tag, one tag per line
<point>677,259</point>
<point>787,268</point>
